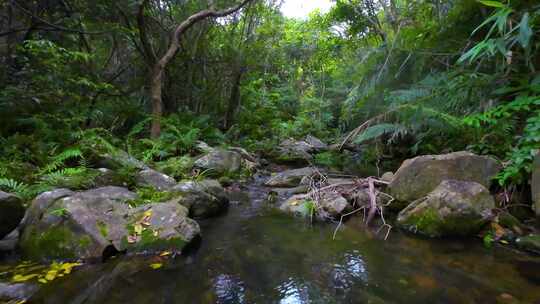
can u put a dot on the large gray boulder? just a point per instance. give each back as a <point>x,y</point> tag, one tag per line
<point>419,176</point>
<point>11,213</point>
<point>219,162</point>
<point>535,184</point>
<point>316,144</point>
<point>62,224</point>
<point>154,179</point>
<point>454,208</point>
<point>291,151</point>
<point>203,199</point>
<point>290,178</point>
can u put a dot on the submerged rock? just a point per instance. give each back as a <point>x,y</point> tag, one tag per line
<point>290,178</point>
<point>85,225</point>
<point>202,198</point>
<point>535,184</point>
<point>17,292</point>
<point>154,179</point>
<point>530,243</point>
<point>454,208</point>
<point>419,176</point>
<point>219,162</point>
<point>11,213</point>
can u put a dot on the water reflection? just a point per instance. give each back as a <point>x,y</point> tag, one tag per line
<point>293,292</point>
<point>356,266</point>
<point>352,271</point>
<point>229,289</point>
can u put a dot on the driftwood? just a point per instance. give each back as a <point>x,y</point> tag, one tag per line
<point>319,185</point>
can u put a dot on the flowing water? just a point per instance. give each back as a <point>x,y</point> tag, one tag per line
<point>254,255</point>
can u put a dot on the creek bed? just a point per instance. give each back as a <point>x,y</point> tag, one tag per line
<point>253,254</point>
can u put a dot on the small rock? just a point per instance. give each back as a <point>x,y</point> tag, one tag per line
<point>387,177</point>
<point>290,178</point>
<point>328,205</point>
<point>155,179</point>
<point>530,243</point>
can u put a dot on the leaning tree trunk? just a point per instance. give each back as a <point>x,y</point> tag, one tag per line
<point>156,79</point>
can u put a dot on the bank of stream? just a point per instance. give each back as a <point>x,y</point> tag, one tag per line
<point>254,254</point>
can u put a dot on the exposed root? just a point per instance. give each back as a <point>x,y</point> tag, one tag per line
<point>319,187</point>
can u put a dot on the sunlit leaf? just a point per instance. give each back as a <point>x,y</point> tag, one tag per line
<point>492,3</point>
<point>156,265</point>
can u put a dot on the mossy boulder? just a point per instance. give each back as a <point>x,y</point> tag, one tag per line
<point>454,208</point>
<point>290,178</point>
<point>86,225</point>
<point>203,199</point>
<point>11,213</point>
<point>219,162</point>
<point>419,176</point>
<point>530,243</point>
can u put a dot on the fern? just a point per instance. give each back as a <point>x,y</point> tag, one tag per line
<point>376,131</point>
<point>12,185</point>
<point>59,160</point>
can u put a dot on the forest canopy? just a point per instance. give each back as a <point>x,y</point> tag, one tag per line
<point>393,78</point>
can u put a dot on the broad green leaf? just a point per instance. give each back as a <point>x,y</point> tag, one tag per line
<point>374,132</point>
<point>525,31</point>
<point>492,3</point>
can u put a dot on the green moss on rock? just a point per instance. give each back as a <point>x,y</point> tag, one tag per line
<point>53,243</point>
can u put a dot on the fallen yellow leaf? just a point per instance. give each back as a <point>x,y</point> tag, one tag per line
<point>165,253</point>
<point>23,278</point>
<point>156,265</point>
<point>51,275</point>
<point>138,228</point>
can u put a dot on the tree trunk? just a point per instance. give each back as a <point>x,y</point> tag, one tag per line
<point>156,79</point>
<point>234,100</point>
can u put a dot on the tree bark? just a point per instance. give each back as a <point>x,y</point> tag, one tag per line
<point>156,79</point>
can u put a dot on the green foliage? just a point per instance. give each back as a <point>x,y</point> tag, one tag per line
<point>330,159</point>
<point>177,167</point>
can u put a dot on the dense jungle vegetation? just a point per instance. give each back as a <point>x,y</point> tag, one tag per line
<point>392,78</point>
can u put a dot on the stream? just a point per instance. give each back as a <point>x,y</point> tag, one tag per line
<point>253,254</point>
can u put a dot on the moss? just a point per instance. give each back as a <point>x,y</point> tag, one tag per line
<point>152,243</point>
<point>53,243</point>
<point>427,222</point>
<point>84,242</point>
<point>103,229</point>
<point>147,195</point>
